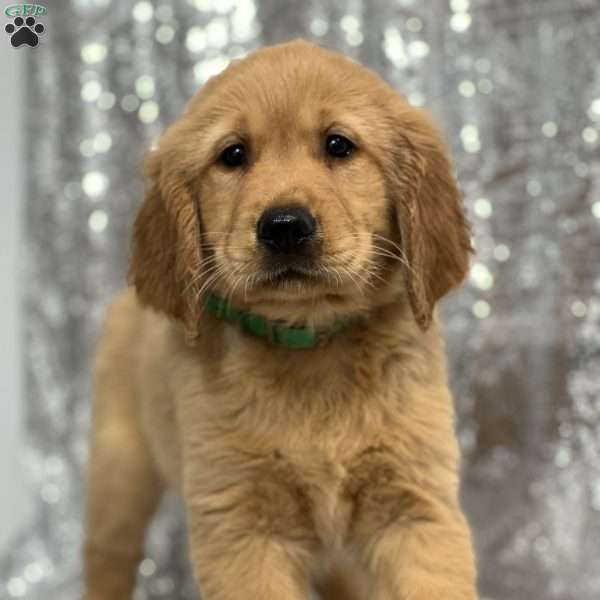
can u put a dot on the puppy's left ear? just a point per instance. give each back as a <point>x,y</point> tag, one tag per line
<point>428,206</point>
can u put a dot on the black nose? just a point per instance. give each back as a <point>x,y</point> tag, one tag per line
<point>285,228</point>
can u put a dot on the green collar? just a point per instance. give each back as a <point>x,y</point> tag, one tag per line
<point>276,333</point>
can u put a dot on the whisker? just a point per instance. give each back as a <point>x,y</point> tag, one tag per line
<point>386,253</point>
<point>391,242</point>
<point>338,277</point>
<point>351,276</point>
<point>210,281</point>
<point>396,252</point>
<point>362,277</point>
<point>248,283</point>
<point>233,287</point>
<point>199,276</point>
<point>372,272</point>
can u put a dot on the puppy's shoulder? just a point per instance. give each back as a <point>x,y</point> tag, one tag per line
<point>127,328</point>
<point>123,316</point>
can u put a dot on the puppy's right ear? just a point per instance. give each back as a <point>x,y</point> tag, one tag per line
<point>165,253</point>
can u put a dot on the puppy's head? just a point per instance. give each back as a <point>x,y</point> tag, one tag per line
<point>299,185</point>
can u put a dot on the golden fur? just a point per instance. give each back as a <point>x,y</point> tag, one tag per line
<point>334,467</point>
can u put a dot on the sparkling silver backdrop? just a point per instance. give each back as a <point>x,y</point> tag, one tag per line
<point>516,86</point>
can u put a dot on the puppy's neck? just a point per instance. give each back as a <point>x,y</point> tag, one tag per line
<point>276,332</point>
<point>390,321</point>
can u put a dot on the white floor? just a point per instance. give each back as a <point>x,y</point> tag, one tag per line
<point>14,504</point>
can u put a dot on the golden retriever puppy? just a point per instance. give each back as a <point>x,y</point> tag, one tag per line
<point>277,359</point>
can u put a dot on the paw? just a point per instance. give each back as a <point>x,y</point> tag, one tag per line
<point>24,31</point>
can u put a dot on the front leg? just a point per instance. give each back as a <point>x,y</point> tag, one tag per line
<point>423,561</point>
<point>123,487</point>
<point>250,530</point>
<point>413,541</point>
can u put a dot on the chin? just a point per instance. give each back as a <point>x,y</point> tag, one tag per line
<point>293,296</point>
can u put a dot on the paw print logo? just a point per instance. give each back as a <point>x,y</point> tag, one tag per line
<point>24,31</point>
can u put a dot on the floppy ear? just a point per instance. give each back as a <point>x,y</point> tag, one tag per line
<point>428,206</point>
<point>165,253</point>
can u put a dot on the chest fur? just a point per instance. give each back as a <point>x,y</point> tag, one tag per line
<point>303,447</point>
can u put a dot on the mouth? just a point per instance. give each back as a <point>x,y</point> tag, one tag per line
<point>294,274</point>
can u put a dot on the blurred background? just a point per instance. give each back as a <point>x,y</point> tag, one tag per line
<point>515,85</point>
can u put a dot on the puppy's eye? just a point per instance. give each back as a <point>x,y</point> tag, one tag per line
<point>339,146</point>
<point>234,156</point>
